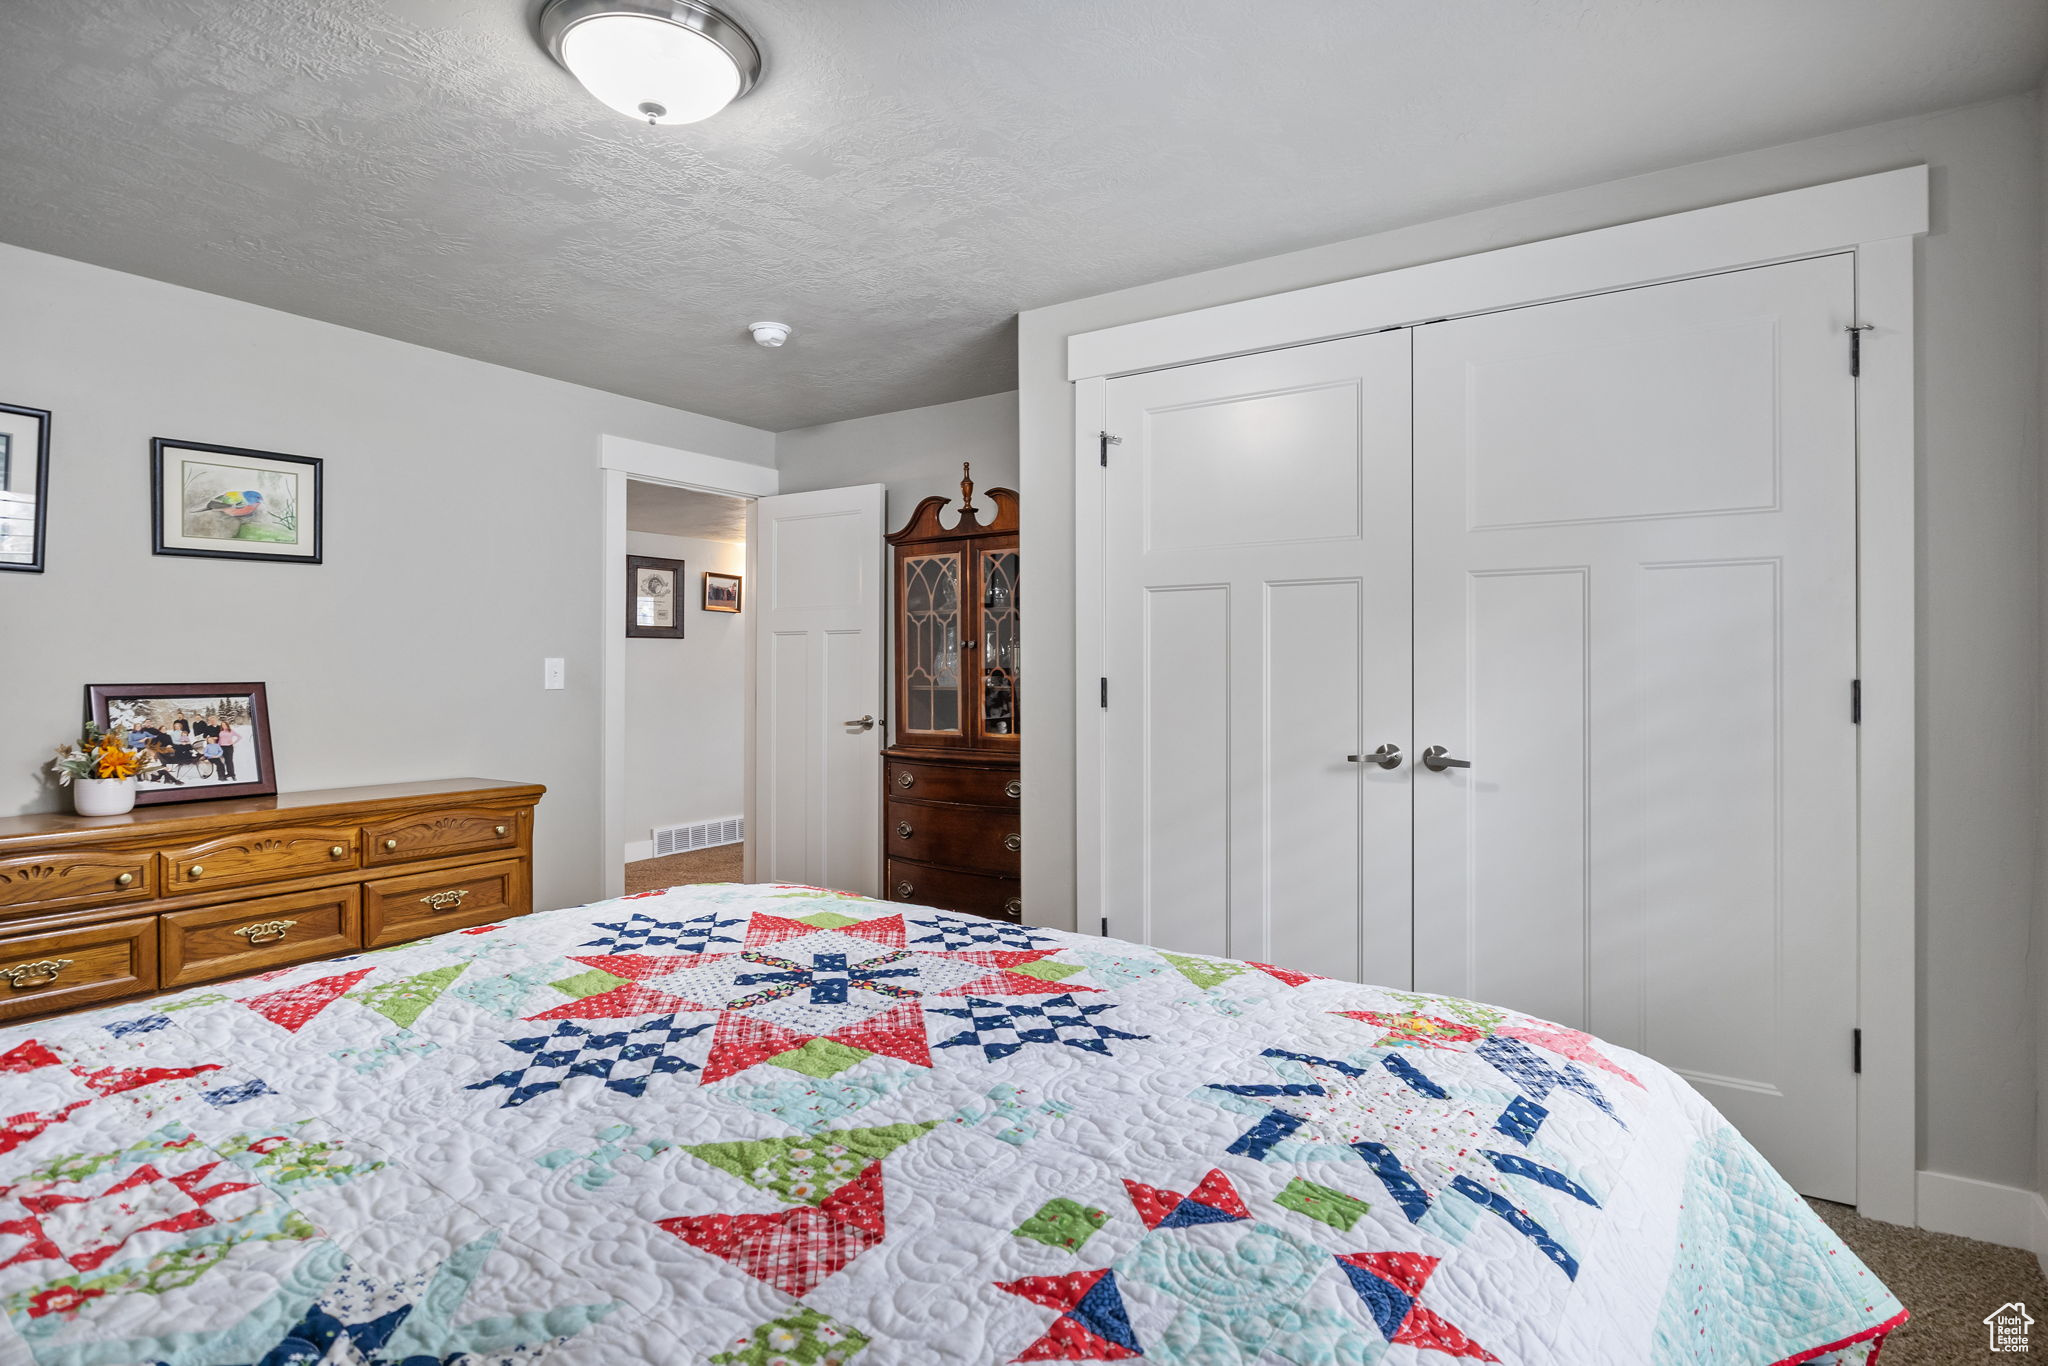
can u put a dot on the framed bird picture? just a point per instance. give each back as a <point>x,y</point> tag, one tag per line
<point>228,503</point>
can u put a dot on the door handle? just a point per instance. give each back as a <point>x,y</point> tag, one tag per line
<point>865,723</point>
<point>1386,756</point>
<point>1436,759</point>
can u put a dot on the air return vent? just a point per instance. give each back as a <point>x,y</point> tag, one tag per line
<point>681,839</point>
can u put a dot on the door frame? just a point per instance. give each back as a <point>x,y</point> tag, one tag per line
<point>621,460</point>
<point>1874,217</point>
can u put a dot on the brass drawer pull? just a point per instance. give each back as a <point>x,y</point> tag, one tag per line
<point>1013,842</point>
<point>1013,789</point>
<point>266,931</point>
<point>499,828</point>
<point>906,780</point>
<point>1014,906</point>
<point>337,851</point>
<point>125,880</point>
<point>194,871</point>
<point>903,891</point>
<point>390,844</point>
<point>41,973</point>
<point>903,830</point>
<point>441,901</point>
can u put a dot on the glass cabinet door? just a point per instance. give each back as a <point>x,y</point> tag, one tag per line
<point>931,644</point>
<point>1001,652</point>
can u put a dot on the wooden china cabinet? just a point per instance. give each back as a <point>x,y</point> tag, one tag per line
<point>949,829</point>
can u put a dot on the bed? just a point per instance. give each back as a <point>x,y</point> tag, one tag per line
<point>745,1125</point>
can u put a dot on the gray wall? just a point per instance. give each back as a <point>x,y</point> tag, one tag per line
<point>686,700</point>
<point>1980,585</point>
<point>462,527</point>
<point>916,452</point>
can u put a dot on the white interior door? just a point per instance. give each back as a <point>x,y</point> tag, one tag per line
<point>1635,618</point>
<point>821,591</point>
<point>1256,635</point>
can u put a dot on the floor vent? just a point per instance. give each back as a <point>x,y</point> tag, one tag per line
<point>681,839</point>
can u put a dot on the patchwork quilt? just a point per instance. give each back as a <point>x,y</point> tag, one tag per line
<point>743,1125</point>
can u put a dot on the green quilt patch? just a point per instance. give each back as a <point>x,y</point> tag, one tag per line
<point>591,982</point>
<point>1203,972</point>
<point>1061,1222</point>
<point>1045,970</point>
<point>820,1058</point>
<point>809,1169</point>
<point>805,1338</point>
<point>404,1001</point>
<point>1320,1203</point>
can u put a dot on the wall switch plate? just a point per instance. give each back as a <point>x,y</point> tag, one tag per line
<point>553,673</point>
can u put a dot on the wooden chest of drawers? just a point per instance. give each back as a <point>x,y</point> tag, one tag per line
<point>95,909</point>
<point>949,826</point>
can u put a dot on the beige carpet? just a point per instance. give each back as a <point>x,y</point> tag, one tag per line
<point>1948,1283</point>
<point>719,864</point>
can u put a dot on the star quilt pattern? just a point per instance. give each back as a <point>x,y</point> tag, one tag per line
<point>754,1125</point>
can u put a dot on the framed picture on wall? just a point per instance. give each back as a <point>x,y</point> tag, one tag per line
<point>24,475</point>
<point>654,600</point>
<point>228,503</point>
<point>721,592</point>
<point>210,739</point>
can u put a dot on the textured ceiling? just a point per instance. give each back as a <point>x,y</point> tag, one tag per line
<point>669,511</point>
<point>909,174</point>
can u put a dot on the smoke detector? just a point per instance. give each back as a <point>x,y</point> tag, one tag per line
<point>769,334</point>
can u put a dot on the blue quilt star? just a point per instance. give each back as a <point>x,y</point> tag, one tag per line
<point>828,978</point>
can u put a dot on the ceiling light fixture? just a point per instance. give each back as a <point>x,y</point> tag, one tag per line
<point>769,334</point>
<point>665,61</point>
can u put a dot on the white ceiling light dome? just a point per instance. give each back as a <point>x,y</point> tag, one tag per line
<point>664,61</point>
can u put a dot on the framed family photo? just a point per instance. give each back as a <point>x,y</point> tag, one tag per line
<point>210,739</point>
<point>24,475</point>
<point>721,592</point>
<point>228,503</point>
<point>654,598</point>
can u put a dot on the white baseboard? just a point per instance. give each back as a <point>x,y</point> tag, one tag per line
<point>639,849</point>
<point>2007,1215</point>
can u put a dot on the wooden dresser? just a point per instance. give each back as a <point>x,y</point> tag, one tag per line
<point>95,909</point>
<point>949,817</point>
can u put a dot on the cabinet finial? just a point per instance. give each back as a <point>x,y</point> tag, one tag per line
<point>966,484</point>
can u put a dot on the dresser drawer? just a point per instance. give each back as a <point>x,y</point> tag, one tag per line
<point>999,898</point>
<point>945,783</point>
<point>962,836</point>
<point>258,856</point>
<point>66,879</point>
<point>443,834</point>
<point>42,973</point>
<point>258,934</point>
<point>399,908</point>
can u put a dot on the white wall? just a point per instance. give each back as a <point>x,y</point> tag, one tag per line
<point>686,700</point>
<point>462,518</point>
<point>915,452</point>
<point>1979,528</point>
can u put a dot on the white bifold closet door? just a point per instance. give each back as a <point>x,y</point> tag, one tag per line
<point>1256,559</point>
<point>1634,587</point>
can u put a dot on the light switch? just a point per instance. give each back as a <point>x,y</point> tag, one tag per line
<point>553,672</point>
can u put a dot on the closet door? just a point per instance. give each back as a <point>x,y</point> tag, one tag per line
<point>1256,620</point>
<point>1635,619</point>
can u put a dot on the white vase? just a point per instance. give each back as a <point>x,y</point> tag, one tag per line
<point>103,796</point>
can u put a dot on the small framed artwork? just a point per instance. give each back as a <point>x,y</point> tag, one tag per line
<point>24,478</point>
<point>654,601</point>
<point>721,592</point>
<point>228,503</point>
<point>210,739</point>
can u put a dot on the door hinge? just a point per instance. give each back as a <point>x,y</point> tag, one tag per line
<point>1105,927</point>
<point>1107,442</point>
<point>1105,692</point>
<point>1856,331</point>
<point>1856,1050</point>
<point>1855,701</point>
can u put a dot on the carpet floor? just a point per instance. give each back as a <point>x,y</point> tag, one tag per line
<point>721,863</point>
<point>1948,1283</point>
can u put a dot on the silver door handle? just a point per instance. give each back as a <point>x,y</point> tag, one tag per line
<point>1436,759</point>
<point>865,723</point>
<point>1386,756</point>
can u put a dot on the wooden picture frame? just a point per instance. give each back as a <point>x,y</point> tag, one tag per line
<point>152,713</point>
<point>654,598</point>
<point>722,592</point>
<point>233,503</point>
<point>24,487</point>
